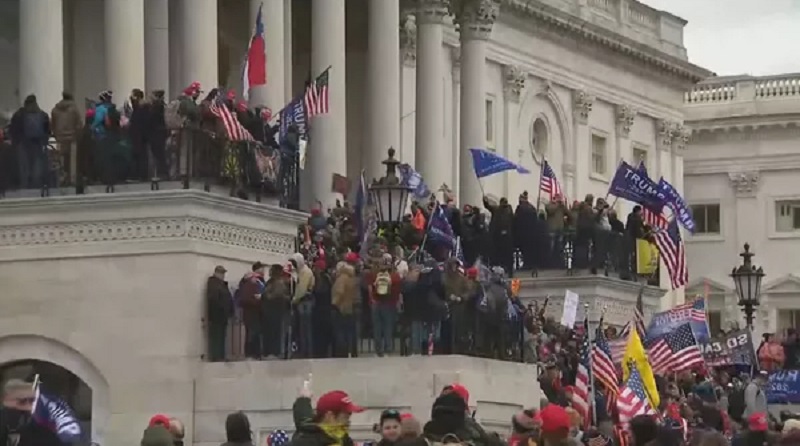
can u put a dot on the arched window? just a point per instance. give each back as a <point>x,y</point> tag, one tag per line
<point>539,138</point>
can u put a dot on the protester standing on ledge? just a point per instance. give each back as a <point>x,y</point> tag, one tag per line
<point>219,309</point>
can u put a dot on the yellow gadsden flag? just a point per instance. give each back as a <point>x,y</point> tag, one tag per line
<point>635,356</point>
<point>646,257</point>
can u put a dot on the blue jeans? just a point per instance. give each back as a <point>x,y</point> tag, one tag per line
<point>306,336</point>
<point>384,318</point>
<point>420,332</point>
<point>31,159</point>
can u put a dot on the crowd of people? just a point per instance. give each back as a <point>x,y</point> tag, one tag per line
<point>148,139</point>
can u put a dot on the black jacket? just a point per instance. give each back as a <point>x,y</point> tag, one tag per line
<point>309,433</point>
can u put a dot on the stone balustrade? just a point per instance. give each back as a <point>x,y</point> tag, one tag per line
<point>744,89</point>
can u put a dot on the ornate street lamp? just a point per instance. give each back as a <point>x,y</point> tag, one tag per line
<point>389,194</point>
<point>747,280</point>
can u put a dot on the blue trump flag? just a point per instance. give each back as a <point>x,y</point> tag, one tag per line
<point>682,211</point>
<point>487,163</point>
<point>783,387</point>
<point>293,114</point>
<point>414,180</point>
<point>56,415</point>
<point>439,229</point>
<point>631,184</point>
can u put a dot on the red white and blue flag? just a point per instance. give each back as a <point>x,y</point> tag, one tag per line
<point>548,183</point>
<point>583,394</point>
<point>673,252</point>
<point>633,399</point>
<point>254,73</point>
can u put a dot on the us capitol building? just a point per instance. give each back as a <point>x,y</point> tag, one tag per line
<point>580,83</point>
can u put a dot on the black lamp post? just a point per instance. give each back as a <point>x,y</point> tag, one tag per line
<point>390,196</point>
<point>747,280</point>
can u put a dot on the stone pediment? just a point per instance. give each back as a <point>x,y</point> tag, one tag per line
<point>697,287</point>
<point>788,284</point>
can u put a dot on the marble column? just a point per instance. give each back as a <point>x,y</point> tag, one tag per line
<point>288,52</point>
<point>273,94</point>
<point>328,152</point>
<point>383,83</point>
<point>156,46</point>
<point>198,43</point>
<point>41,51</point>
<point>431,157</point>
<point>514,79</point>
<point>125,55</point>
<point>475,19</point>
<point>455,73</point>
<point>175,26</point>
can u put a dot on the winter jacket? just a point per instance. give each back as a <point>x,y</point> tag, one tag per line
<point>218,300</point>
<point>66,121</point>
<point>307,432</point>
<point>345,289</point>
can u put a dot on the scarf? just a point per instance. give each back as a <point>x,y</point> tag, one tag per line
<point>336,431</point>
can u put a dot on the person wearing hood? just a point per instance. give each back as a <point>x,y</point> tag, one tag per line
<point>66,122</point>
<point>345,294</point>
<point>326,425</point>
<point>275,312</point>
<point>500,230</point>
<point>30,130</point>
<point>304,303</point>
<point>237,430</point>
<point>249,297</point>
<point>157,435</point>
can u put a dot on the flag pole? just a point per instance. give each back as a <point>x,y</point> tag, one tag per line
<point>541,172</point>
<point>591,399</point>
<point>619,163</point>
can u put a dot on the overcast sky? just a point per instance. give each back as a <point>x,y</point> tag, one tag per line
<point>728,37</point>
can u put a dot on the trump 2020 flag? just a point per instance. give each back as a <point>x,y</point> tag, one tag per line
<point>439,229</point>
<point>255,62</point>
<point>53,413</point>
<point>414,180</point>
<point>487,163</point>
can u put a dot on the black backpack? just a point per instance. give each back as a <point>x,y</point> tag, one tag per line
<point>736,404</point>
<point>33,126</point>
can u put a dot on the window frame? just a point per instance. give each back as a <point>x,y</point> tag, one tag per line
<point>638,147</point>
<point>599,176</point>
<point>490,124</point>
<point>772,217</point>
<point>708,235</point>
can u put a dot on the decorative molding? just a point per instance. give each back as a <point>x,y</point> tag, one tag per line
<point>408,40</point>
<point>546,90</point>
<point>779,162</point>
<point>568,169</point>
<point>513,82</point>
<point>626,115</point>
<point>455,61</point>
<point>475,18</point>
<point>745,184</point>
<point>543,16</point>
<point>114,231</point>
<point>582,105</point>
<point>683,135</point>
<point>432,11</point>
<point>666,133</point>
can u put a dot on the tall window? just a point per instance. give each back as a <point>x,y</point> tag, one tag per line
<point>788,319</point>
<point>787,216</point>
<point>599,154</point>
<point>706,218</point>
<point>640,156</point>
<point>490,123</point>
<point>714,322</point>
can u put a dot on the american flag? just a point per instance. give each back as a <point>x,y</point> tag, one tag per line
<point>548,183</point>
<point>316,96</point>
<point>654,219</point>
<point>234,129</point>
<point>633,399</point>
<point>673,252</point>
<point>603,364</point>
<point>617,345</point>
<point>697,307</point>
<point>583,394</point>
<point>675,351</point>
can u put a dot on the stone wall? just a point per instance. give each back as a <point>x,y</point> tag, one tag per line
<point>265,391</point>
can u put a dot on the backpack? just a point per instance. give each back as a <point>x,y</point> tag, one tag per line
<point>172,116</point>
<point>383,284</point>
<point>736,404</point>
<point>33,126</point>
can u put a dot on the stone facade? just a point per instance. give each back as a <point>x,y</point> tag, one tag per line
<point>742,163</point>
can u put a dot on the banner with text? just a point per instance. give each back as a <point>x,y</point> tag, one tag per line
<point>735,347</point>
<point>630,184</point>
<point>667,321</point>
<point>783,387</point>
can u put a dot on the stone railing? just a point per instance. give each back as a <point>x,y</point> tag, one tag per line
<point>744,89</point>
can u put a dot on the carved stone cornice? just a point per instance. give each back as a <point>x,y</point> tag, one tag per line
<point>626,115</point>
<point>432,11</point>
<point>513,82</point>
<point>666,133</point>
<point>543,16</point>
<point>568,169</point>
<point>475,18</point>
<point>455,60</point>
<point>744,184</point>
<point>683,135</point>
<point>582,105</point>
<point>408,39</point>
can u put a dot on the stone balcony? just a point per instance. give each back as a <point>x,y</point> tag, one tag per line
<point>732,98</point>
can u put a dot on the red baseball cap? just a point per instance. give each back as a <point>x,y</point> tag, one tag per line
<point>554,418</point>
<point>159,419</point>
<point>461,391</point>
<point>337,401</point>
<point>758,422</point>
